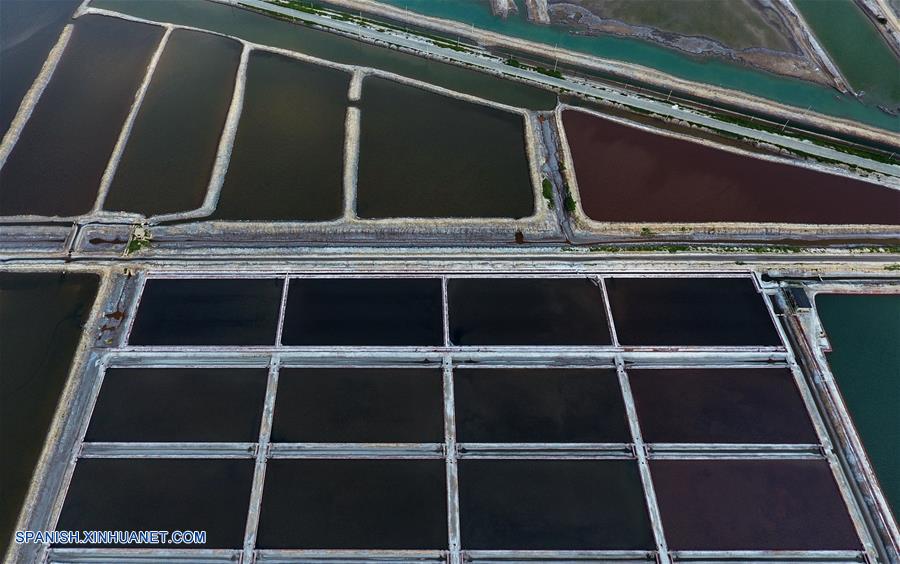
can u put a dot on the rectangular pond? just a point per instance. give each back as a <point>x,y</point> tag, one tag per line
<point>179,405</point>
<point>160,495</point>
<point>354,504</point>
<point>288,158</point>
<point>552,505</point>
<point>359,405</point>
<point>539,406</point>
<point>363,311</point>
<point>690,312</point>
<point>427,155</point>
<point>752,505</point>
<point>627,174</point>
<point>56,165</point>
<point>527,311</point>
<point>752,405</point>
<point>41,318</point>
<point>207,312</point>
<point>167,162</point>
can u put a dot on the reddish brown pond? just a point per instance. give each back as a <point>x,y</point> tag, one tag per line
<point>628,174</point>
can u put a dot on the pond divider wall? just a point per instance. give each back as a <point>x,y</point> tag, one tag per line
<point>116,156</point>
<point>26,107</point>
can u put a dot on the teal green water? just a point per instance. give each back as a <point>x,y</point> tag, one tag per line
<point>865,332</point>
<point>857,48</point>
<point>794,92</point>
<point>269,31</point>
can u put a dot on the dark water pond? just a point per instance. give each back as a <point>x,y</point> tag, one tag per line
<point>208,312</point>
<point>520,311</point>
<point>167,162</point>
<point>179,404</point>
<point>751,505</point>
<point>288,157</point>
<point>552,505</point>
<point>354,504</point>
<point>56,165</point>
<point>160,495</point>
<point>631,175</point>
<point>689,312</point>
<point>539,406</point>
<point>28,31</point>
<point>41,315</point>
<point>422,154</point>
<point>356,405</point>
<point>367,311</point>
<point>759,405</point>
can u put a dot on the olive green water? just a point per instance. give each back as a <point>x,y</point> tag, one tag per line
<point>790,91</point>
<point>269,31</point>
<point>864,331</point>
<point>856,46</point>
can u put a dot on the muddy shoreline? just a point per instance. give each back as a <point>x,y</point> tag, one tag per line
<point>805,62</point>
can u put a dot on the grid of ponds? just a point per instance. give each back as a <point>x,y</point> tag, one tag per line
<point>478,417</point>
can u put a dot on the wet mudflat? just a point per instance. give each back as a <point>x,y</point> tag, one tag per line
<point>631,175</point>
<point>539,406</point>
<point>354,504</point>
<point>160,495</point>
<point>179,405</point>
<point>41,315</point>
<point>759,405</point>
<point>864,331</point>
<point>56,165</point>
<point>288,157</point>
<point>527,311</point>
<point>427,155</point>
<point>690,312</point>
<point>28,31</point>
<point>752,505</point>
<point>552,505</point>
<point>269,31</point>
<point>356,405</point>
<point>167,162</point>
<point>208,312</point>
<point>363,311</point>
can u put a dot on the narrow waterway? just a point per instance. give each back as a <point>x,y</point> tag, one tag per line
<point>864,332</point>
<point>790,91</point>
<point>41,316</point>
